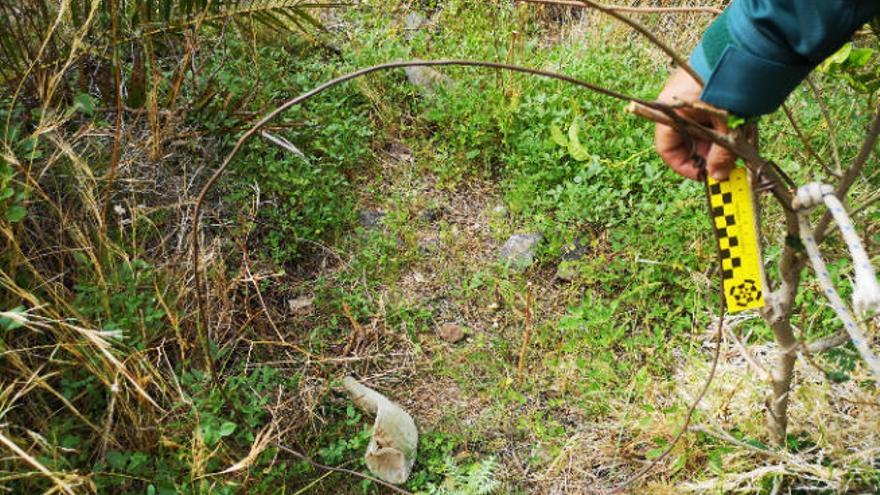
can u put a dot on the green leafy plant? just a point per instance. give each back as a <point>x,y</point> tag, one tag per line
<point>476,478</point>
<point>571,141</point>
<point>13,194</point>
<point>854,66</point>
<point>129,309</point>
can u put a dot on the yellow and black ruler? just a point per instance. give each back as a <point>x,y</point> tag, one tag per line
<point>733,214</point>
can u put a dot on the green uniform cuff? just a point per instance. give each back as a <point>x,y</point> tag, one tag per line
<point>737,80</point>
<point>748,85</point>
<point>757,51</point>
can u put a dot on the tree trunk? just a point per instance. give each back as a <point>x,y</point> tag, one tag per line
<point>777,313</point>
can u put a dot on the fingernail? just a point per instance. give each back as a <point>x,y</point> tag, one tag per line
<point>719,175</point>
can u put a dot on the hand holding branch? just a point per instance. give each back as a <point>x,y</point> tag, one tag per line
<point>680,151</point>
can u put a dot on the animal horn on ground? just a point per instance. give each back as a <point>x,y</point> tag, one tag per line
<point>393,444</point>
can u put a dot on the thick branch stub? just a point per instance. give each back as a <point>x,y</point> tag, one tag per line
<point>828,343</point>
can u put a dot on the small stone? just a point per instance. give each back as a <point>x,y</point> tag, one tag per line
<point>450,332</point>
<point>499,211</point>
<point>370,219</point>
<point>426,78</point>
<point>576,250</point>
<point>519,250</point>
<point>571,254</point>
<point>301,304</point>
<point>414,20</point>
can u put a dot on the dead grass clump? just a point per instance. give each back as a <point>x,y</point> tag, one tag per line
<point>833,433</point>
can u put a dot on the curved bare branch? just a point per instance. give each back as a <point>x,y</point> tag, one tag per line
<point>633,10</point>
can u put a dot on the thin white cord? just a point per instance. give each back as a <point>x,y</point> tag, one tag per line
<point>866,291</point>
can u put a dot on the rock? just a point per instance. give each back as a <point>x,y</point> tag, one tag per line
<point>412,23</point>
<point>426,78</point>
<point>576,250</point>
<point>370,219</point>
<point>519,250</point>
<point>499,211</point>
<point>301,304</point>
<point>399,152</point>
<point>450,332</point>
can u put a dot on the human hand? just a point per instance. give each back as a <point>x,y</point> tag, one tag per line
<point>675,149</point>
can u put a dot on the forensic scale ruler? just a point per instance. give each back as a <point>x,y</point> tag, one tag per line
<point>734,217</point>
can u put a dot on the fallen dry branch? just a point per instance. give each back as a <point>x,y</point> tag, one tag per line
<point>349,472</point>
<point>527,335</point>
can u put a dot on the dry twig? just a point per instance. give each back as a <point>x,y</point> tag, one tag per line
<point>806,142</point>
<point>316,464</point>
<point>527,334</point>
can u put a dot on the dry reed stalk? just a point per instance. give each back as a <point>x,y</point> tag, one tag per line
<point>59,483</point>
<point>527,335</point>
<point>357,331</point>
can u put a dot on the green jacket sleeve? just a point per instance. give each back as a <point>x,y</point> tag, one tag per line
<point>758,51</point>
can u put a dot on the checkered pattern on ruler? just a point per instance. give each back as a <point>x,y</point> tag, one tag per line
<point>737,242</point>
<point>725,224</point>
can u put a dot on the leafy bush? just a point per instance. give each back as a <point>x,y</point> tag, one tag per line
<point>308,197</point>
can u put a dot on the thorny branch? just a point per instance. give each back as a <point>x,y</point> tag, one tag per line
<point>632,10</point>
<point>806,142</point>
<point>778,311</point>
<point>832,136</point>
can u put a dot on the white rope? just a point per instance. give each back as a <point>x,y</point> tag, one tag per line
<point>866,291</point>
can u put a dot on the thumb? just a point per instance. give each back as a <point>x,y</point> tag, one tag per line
<point>719,162</point>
